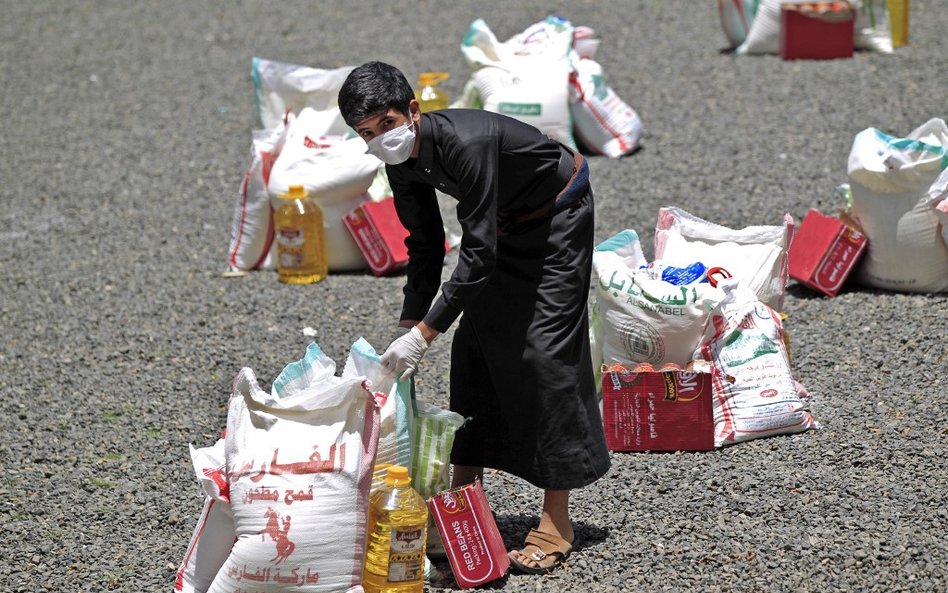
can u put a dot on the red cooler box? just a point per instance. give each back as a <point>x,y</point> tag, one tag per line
<point>664,409</point>
<point>824,251</point>
<point>817,30</point>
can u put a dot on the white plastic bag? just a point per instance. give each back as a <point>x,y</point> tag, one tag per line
<point>299,463</point>
<point>289,88</point>
<point>755,394</point>
<point>899,188</point>
<point>602,121</point>
<point>756,255</point>
<point>251,232</point>
<point>525,77</point>
<point>337,173</point>
<point>394,399</point>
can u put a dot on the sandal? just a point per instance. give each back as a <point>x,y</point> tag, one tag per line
<point>551,551</point>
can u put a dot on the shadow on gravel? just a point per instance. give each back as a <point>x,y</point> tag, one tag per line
<point>802,292</point>
<point>514,530</point>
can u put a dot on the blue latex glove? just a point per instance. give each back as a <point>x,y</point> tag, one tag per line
<point>404,353</point>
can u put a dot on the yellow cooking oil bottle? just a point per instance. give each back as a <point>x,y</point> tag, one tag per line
<point>300,239</point>
<point>397,526</point>
<point>430,96</point>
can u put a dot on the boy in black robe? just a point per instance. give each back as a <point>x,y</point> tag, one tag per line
<point>520,361</point>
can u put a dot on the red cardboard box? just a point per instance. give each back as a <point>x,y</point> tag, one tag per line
<point>379,235</point>
<point>817,31</point>
<point>824,251</point>
<point>665,409</point>
<point>471,539</point>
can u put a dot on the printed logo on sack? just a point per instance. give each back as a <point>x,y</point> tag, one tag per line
<point>642,342</point>
<point>453,503</point>
<point>684,386</point>
<point>534,109</point>
<point>316,144</point>
<point>279,534</point>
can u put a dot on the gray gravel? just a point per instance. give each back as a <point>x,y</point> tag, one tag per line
<point>126,130</point>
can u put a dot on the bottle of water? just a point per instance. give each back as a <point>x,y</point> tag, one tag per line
<point>397,526</point>
<point>301,243</point>
<point>430,96</point>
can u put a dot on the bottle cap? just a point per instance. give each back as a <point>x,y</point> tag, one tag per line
<point>398,472</point>
<point>432,78</point>
<point>294,192</point>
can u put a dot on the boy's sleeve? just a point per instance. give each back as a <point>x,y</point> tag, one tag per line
<point>476,167</point>
<point>417,207</point>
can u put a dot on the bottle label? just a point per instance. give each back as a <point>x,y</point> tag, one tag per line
<point>405,559</point>
<point>290,246</point>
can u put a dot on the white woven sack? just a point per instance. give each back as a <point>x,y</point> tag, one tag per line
<point>525,77</point>
<point>299,462</point>
<point>395,408</point>
<point>755,394</point>
<point>336,172</point>
<point>899,188</point>
<point>736,18</point>
<point>644,319</point>
<point>214,534</point>
<point>251,231</point>
<point>283,88</point>
<point>602,122</point>
<point>755,255</point>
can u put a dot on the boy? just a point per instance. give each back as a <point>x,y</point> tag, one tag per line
<point>520,362</point>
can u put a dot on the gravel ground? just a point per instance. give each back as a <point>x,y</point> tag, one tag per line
<point>126,131</point>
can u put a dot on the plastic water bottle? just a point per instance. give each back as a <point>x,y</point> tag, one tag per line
<point>397,527</point>
<point>430,96</point>
<point>301,243</point>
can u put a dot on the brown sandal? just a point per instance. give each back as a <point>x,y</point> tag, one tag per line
<point>551,551</point>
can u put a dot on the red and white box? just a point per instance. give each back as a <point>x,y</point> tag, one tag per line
<point>817,30</point>
<point>824,251</point>
<point>664,409</point>
<point>379,235</point>
<point>471,539</point>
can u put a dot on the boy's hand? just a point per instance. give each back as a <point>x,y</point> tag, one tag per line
<point>404,354</point>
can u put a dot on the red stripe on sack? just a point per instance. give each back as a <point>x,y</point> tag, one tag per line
<point>242,219</point>
<point>179,578</point>
<point>623,145</point>
<point>369,448</point>
<point>720,384</point>
<point>267,242</point>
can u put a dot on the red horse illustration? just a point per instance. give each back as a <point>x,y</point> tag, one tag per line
<point>280,537</point>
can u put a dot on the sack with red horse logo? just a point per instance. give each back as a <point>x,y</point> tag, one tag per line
<point>299,467</point>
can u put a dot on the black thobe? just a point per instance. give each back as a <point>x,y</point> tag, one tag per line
<point>520,364</point>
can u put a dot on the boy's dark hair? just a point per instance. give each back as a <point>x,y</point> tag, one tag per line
<point>373,87</point>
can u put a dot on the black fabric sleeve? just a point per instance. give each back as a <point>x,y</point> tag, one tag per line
<point>476,166</point>
<point>418,211</point>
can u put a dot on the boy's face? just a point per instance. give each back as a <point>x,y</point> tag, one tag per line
<point>378,124</point>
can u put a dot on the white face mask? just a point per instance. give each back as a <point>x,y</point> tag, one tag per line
<point>394,146</point>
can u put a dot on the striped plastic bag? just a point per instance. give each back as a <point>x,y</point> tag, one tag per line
<point>432,439</point>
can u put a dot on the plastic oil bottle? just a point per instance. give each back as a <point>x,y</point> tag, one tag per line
<point>397,527</point>
<point>301,243</point>
<point>430,96</point>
